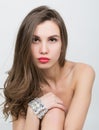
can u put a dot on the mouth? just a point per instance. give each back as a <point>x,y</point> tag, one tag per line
<point>43,59</point>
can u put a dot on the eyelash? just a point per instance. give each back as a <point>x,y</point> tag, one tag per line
<point>36,40</point>
<point>53,39</point>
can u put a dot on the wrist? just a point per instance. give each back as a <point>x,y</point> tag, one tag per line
<point>38,108</point>
<point>31,114</point>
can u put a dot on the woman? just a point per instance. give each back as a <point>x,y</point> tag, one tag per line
<point>44,91</point>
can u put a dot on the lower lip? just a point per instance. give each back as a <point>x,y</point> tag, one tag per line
<point>43,60</point>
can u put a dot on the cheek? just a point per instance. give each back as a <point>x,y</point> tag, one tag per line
<point>56,51</point>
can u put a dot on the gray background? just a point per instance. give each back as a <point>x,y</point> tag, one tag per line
<point>82,21</point>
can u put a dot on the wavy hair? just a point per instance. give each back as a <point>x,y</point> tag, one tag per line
<point>24,79</point>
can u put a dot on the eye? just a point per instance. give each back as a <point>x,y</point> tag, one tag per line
<point>35,40</point>
<point>53,40</point>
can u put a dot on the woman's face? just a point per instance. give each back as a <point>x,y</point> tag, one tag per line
<point>46,45</point>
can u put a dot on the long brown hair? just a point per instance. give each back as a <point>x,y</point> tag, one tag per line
<point>24,79</point>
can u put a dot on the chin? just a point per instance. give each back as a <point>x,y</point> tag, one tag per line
<point>44,66</point>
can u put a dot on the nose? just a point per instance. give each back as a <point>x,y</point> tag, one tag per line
<point>43,48</point>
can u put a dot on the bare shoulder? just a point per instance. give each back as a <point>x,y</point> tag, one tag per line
<point>84,75</point>
<point>79,68</point>
<point>82,68</point>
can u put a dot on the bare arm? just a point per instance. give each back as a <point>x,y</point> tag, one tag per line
<point>31,122</point>
<point>81,100</point>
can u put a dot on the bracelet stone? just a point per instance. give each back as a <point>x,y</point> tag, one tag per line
<point>38,108</point>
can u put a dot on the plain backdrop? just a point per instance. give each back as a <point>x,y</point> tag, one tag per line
<point>82,20</point>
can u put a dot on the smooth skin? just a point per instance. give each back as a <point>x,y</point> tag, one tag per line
<point>69,96</point>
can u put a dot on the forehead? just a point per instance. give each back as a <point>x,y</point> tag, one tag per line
<point>47,28</point>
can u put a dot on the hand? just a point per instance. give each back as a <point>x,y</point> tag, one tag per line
<point>50,101</point>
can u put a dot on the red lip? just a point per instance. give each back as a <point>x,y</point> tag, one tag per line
<point>43,59</point>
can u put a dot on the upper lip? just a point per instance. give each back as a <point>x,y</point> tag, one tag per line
<point>43,58</point>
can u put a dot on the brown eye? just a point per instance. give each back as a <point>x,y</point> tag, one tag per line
<point>35,40</point>
<point>53,40</point>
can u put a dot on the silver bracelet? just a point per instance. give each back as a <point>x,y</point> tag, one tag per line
<point>38,108</point>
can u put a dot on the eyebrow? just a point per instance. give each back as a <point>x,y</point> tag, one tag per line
<point>49,36</point>
<point>54,36</point>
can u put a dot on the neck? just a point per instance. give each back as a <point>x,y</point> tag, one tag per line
<point>53,74</point>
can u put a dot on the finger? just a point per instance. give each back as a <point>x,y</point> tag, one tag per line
<point>60,106</point>
<point>58,100</point>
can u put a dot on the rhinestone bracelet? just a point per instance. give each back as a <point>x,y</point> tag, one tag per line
<point>38,108</point>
